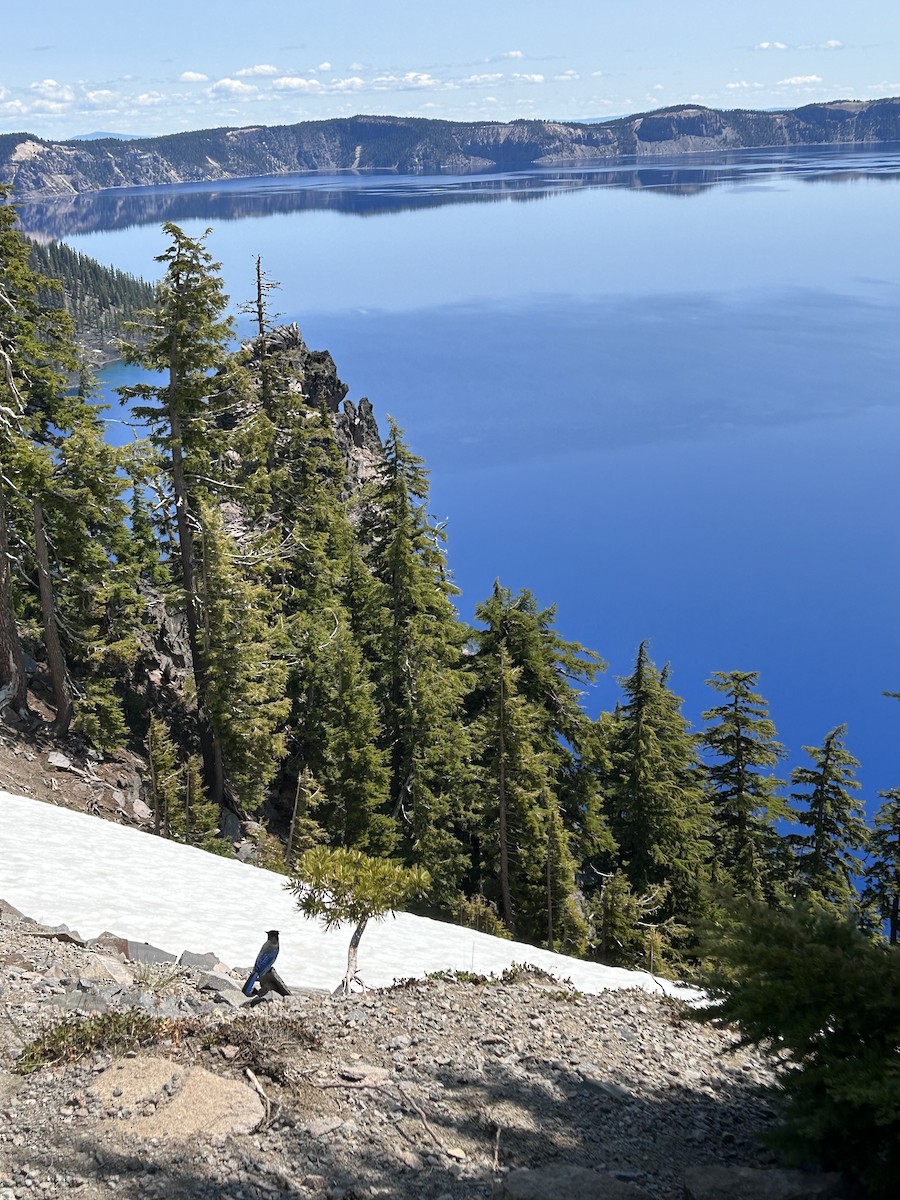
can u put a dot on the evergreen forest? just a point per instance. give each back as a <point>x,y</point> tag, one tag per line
<point>254,597</point>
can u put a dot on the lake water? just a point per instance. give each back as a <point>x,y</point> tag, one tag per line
<point>663,396</point>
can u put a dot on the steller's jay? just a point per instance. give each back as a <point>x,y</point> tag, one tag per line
<point>264,960</point>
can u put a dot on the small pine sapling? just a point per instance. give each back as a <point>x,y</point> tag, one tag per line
<point>346,885</point>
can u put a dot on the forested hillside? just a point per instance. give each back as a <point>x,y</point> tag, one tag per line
<point>254,597</point>
<point>100,300</point>
<point>33,166</point>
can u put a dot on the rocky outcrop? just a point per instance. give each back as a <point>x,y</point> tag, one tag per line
<point>33,166</point>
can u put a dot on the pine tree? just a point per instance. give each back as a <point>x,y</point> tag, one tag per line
<point>417,670</point>
<point>245,673</point>
<point>656,807</point>
<point>35,355</point>
<point>826,862</point>
<point>347,885</point>
<point>745,804</point>
<point>185,337</point>
<point>529,726</point>
<point>883,871</point>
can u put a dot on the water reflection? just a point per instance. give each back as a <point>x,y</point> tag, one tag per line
<point>381,193</point>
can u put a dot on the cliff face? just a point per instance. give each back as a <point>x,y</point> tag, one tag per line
<point>414,145</point>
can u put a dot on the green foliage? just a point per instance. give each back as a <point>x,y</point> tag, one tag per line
<point>882,889</point>
<point>75,1038</point>
<point>654,793</point>
<point>476,912</point>
<point>745,803</point>
<point>825,1001</point>
<point>347,885</point>
<point>826,862</point>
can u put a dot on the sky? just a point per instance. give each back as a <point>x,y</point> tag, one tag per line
<point>145,69</point>
<point>96,876</point>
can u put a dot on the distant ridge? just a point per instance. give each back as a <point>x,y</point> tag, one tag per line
<point>100,136</point>
<point>416,145</point>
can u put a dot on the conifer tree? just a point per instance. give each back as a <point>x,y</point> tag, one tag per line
<point>883,871</point>
<point>826,856</point>
<point>745,803</point>
<point>185,337</point>
<point>656,807</point>
<point>245,673</point>
<point>529,725</point>
<point>418,673</point>
<point>35,355</point>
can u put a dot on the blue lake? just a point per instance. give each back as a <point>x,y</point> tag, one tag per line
<point>662,396</point>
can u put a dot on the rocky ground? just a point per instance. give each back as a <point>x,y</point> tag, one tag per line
<point>434,1090</point>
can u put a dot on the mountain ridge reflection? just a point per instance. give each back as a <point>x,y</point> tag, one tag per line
<point>384,193</point>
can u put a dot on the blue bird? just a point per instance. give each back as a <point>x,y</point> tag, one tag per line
<point>264,960</point>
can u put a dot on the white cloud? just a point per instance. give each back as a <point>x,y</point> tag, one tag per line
<point>101,96</point>
<point>192,77</point>
<point>324,66</point>
<point>148,98</point>
<point>354,66</point>
<point>799,80</point>
<point>412,79</point>
<point>49,89</point>
<point>529,78</point>
<point>743,84</point>
<point>477,80</point>
<point>513,54</point>
<point>13,107</point>
<point>295,83</point>
<point>833,44</point>
<point>567,77</point>
<point>259,69</point>
<point>770,46</point>
<point>351,84</point>
<point>597,74</point>
<point>232,87</point>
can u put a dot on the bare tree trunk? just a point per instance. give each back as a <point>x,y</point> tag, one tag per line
<point>508,918</point>
<point>549,890</point>
<point>13,681</point>
<point>209,744</point>
<point>59,675</point>
<point>352,975</point>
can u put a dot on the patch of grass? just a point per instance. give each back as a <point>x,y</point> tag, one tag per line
<point>75,1038</point>
<point>157,978</point>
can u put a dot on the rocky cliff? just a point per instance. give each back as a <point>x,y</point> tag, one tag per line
<point>33,166</point>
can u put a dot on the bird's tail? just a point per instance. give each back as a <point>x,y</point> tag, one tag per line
<point>247,989</point>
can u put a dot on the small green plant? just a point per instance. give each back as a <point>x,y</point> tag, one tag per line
<point>475,912</point>
<point>158,978</point>
<point>75,1038</point>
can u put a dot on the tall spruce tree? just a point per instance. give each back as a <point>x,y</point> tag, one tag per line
<point>36,353</point>
<point>530,727</point>
<point>185,337</point>
<point>418,670</point>
<point>826,856</point>
<point>655,801</point>
<point>745,801</point>
<point>882,889</point>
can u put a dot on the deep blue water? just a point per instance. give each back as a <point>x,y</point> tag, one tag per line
<point>664,399</point>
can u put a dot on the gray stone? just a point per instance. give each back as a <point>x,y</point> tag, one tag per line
<point>199,962</point>
<point>560,1181</point>
<point>143,952</point>
<point>57,759</point>
<point>211,981</point>
<point>754,1183</point>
